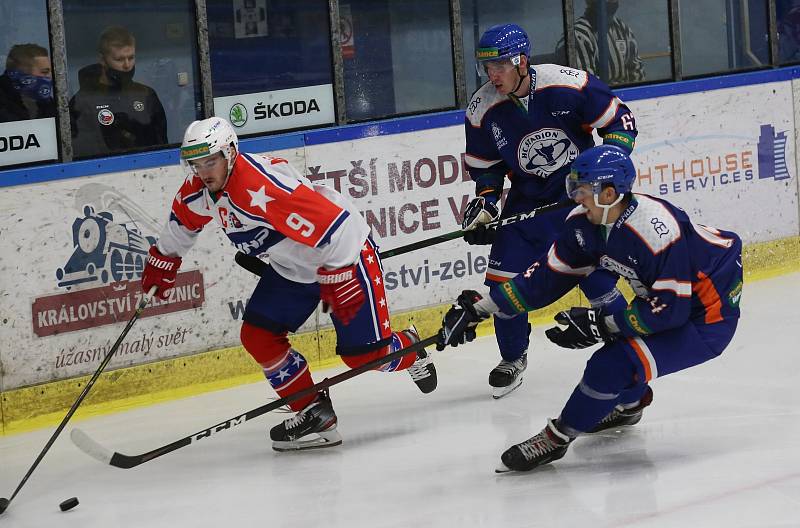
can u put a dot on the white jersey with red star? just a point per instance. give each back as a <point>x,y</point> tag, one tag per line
<point>267,207</point>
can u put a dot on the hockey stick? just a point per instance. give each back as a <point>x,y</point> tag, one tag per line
<point>89,446</point>
<point>256,266</point>
<point>139,309</point>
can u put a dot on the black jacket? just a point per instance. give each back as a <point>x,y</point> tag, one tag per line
<point>12,108</point>
<point>107,119</point>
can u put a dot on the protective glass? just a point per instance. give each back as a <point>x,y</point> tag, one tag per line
<point>501,66</point>
<point>206,163</point>
<point>579,190</point>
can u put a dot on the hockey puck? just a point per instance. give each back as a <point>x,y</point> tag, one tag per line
<point>68,504</point>
<point>3,505</point>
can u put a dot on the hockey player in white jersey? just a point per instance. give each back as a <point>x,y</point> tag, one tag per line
<point>319,247</point>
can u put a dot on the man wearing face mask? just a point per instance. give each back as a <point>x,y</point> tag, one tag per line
<point>26,87</point>
<point>111,112</point>
<point>624,64</point>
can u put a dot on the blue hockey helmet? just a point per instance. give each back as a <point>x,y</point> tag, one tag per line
<point>599,167</point>
<point>504,41</point>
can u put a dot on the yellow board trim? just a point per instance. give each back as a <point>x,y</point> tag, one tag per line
<point>45,405</point>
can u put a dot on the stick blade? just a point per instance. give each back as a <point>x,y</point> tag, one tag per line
<point>89,446</point>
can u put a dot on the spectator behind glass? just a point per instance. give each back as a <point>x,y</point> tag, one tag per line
<point>26,87</point>
<point>789,30</point>
<point>624,66</point>
<point>111,112</point>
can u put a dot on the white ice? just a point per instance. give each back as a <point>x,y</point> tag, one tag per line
<point>718,448</point>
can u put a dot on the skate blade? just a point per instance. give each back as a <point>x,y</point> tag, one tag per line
<point>502,468</point>
<point>499,392</point>
<point>324,440</point>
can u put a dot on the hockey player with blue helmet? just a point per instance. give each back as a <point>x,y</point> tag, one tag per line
<point>687,281</point>
<point>529,122</point>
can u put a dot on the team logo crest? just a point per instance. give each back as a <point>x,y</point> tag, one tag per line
<point>544,151</point>
<point>138,106</point>
<point>105,117</point>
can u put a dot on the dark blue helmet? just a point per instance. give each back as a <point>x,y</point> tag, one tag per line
<point>604,164</point>
<point>502,42</point>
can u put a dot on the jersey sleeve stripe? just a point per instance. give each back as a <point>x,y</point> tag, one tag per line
<point>174,218</point>
<point>608,115</point>
<point>555,263</point>
<point>189,198</point>
<point>479,163</point>
<point>712,236</point>
<point>680,288</point>
<point>326,237</point>
<point>708,295</point>
<point>275,181</point>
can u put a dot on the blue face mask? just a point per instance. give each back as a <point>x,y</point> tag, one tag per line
<point>37,88</point>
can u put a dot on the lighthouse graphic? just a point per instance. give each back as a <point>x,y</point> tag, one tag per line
<point>772,154</point>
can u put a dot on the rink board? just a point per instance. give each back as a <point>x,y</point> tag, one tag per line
<point>727,156</point>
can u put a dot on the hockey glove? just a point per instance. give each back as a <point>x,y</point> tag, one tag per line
<point>584,328</point>
<point>341,291</point>
<point>481,210</point>
<point>160,271</point>
<point>458,324</point>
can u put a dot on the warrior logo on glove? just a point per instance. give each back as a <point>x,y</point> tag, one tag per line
<point>161,272</point>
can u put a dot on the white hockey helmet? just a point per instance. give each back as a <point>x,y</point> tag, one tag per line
<point>207,137</point>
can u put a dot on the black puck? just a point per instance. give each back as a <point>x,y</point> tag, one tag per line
<point>68,504</point>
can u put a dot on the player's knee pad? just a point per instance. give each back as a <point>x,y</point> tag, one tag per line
<point>610,370</point>
<point>264,345</point>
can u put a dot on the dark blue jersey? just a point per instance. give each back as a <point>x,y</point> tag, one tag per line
<point>680,271</point>
<point>535,139</point>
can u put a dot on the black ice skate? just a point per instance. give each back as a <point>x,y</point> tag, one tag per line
<point>547,446</point>
<point>507,376</point>
<point>423,372</point>
<point>622,417</point>
<point>317,418</point>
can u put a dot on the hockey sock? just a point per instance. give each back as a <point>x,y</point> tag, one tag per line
<point>609,373</point>
<point>512,336</point>
<point>285,368</point>
<point>630,397</point>
<point>289,375</point>
<point>399,341</point>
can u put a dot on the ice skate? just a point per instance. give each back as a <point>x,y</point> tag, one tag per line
<point>507,376</point>
<point>622,417</point>
<point>547,446</point>
<point>423,372</point>
<point>317,418</point>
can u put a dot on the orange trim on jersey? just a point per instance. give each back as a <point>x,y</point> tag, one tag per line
<point>497,278</point>
<point>705,290</point>
<point>648,372</point>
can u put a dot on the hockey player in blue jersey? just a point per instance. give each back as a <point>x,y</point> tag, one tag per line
<point>528,122</point>
<point>687,280</point>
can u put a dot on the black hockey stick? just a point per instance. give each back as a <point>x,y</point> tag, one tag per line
<point>89,446</point>
<point>139,309</point>
<point>256,266</point>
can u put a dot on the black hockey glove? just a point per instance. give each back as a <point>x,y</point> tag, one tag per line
<point>480,211</point>
<point>584,328</point>
<point>458,324</point>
